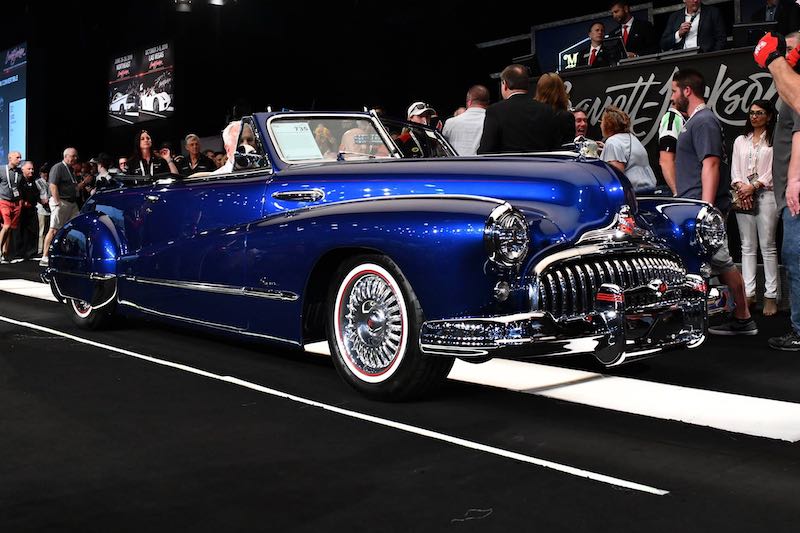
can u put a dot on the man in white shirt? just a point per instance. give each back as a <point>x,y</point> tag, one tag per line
<point>229,137</point>
<point>696,25</point>
<point>464,131</point>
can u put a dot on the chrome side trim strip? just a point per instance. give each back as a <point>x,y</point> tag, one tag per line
<point>223,327</point>
<point>307,195</point>
<point>93,276</point>
<point>286,296</point>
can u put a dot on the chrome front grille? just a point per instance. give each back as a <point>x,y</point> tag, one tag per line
<point>568,288</point>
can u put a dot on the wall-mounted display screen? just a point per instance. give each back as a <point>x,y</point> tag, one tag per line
<point>13,101</point>
<point>140,86</point>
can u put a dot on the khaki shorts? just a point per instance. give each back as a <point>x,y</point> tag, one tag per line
<point>62,213</point>
<point>722,261</point>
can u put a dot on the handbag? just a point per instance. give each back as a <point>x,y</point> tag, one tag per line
<point>737,203</point>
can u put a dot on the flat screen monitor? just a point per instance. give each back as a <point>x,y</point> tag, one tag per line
<point>748,34</point>
<point>13,101</point>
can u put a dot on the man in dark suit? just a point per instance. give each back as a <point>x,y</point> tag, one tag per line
<point>595,55</point>
<point>696,25</point>
<point>638,36</point>
<point>518,123</point>
<point>786,13</point>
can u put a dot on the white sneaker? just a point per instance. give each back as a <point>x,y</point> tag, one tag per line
<point>17,260</point>
<point>44,261</point>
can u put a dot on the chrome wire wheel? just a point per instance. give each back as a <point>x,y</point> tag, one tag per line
<point>371,323</point>
<point>81,308</point>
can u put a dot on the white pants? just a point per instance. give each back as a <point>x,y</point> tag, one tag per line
<point>760,226</point>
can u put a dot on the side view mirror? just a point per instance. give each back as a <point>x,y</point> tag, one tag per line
<point>248,161</point>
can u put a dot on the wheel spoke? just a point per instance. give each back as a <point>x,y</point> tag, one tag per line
<point>372,323</point>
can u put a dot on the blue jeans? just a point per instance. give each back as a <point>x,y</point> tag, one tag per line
<point>791,262</point>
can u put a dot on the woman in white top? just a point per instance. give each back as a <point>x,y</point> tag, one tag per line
<point>751,179</point>
<point>624,151</point>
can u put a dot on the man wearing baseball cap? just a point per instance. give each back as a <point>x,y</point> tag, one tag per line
<point>419,113</point>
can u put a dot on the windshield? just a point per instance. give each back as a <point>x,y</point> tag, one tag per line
<point>327,138</point>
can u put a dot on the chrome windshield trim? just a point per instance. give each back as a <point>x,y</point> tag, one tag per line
<point>353,116</point>
<point>223,327</point>
<point>286,296</point>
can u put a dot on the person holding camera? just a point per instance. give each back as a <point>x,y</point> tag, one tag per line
<point>754,201</point>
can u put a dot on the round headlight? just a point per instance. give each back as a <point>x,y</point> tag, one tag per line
<point>710,226</point>
<point>506,236</point>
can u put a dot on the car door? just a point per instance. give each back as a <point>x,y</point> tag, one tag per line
<point>190,264</point>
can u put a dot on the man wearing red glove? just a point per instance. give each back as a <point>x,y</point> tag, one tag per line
<point>786,167</point>
<point>770,53</point>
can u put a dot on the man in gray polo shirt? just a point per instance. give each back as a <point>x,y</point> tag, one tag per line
<point>10,202</point>
<point>786,170</point>
<point>700,163</point>
<point>63,199</point>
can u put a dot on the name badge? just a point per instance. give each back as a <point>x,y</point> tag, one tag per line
<point>15,193</point>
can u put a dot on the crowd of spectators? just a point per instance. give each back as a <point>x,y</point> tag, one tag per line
<point>761,184</point>
<point>34,206</point>
<point>695,26</point>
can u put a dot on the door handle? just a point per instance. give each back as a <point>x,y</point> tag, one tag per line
<point>306,195</point>
<point>152,198</point>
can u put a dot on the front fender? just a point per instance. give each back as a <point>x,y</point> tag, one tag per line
<point>675,221</point>
<point>438,243</point>
<point>83,259</point>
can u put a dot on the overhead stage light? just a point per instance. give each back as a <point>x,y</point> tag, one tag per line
<point>217,2</point>
<point>183,6</point>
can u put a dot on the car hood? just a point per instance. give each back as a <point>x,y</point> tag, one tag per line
<point>575,195</point>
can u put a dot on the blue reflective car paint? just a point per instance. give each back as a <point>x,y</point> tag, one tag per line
<point>180,242</point>
<point>674,221</point>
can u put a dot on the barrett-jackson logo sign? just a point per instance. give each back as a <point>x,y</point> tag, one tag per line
<point>16,55</point>
<point>734,82</point>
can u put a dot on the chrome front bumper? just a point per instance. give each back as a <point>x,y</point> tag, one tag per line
<point>613,332</point>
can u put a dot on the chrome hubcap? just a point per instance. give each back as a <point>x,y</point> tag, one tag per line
<point>371,324</point>
<point>81,308</point>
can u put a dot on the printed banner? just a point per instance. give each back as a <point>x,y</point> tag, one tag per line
<point>140,86</point>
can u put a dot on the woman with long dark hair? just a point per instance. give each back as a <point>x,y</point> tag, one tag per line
<point>756,210</point>
<point>145,162</point>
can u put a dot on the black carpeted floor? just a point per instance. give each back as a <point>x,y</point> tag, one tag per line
<point>92,440</point>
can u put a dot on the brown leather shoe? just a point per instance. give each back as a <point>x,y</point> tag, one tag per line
<point>770,306</point>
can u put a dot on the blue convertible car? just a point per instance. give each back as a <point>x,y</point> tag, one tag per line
<point>324,231</point>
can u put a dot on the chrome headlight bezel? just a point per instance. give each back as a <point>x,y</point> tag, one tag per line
<point>506,236</point>
<point>710,228</point>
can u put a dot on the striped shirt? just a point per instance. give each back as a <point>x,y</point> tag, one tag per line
<point>669,129</point>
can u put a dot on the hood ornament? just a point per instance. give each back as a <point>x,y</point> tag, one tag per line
<point>626,223</point>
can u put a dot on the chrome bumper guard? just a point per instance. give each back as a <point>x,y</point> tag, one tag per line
<point>656,318</point>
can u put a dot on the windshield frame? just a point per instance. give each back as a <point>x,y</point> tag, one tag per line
<point>390,146</point>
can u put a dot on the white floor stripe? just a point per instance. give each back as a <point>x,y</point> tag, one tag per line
<point>730,412</point>
<point>602,478</point>
<point>26,287</point>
